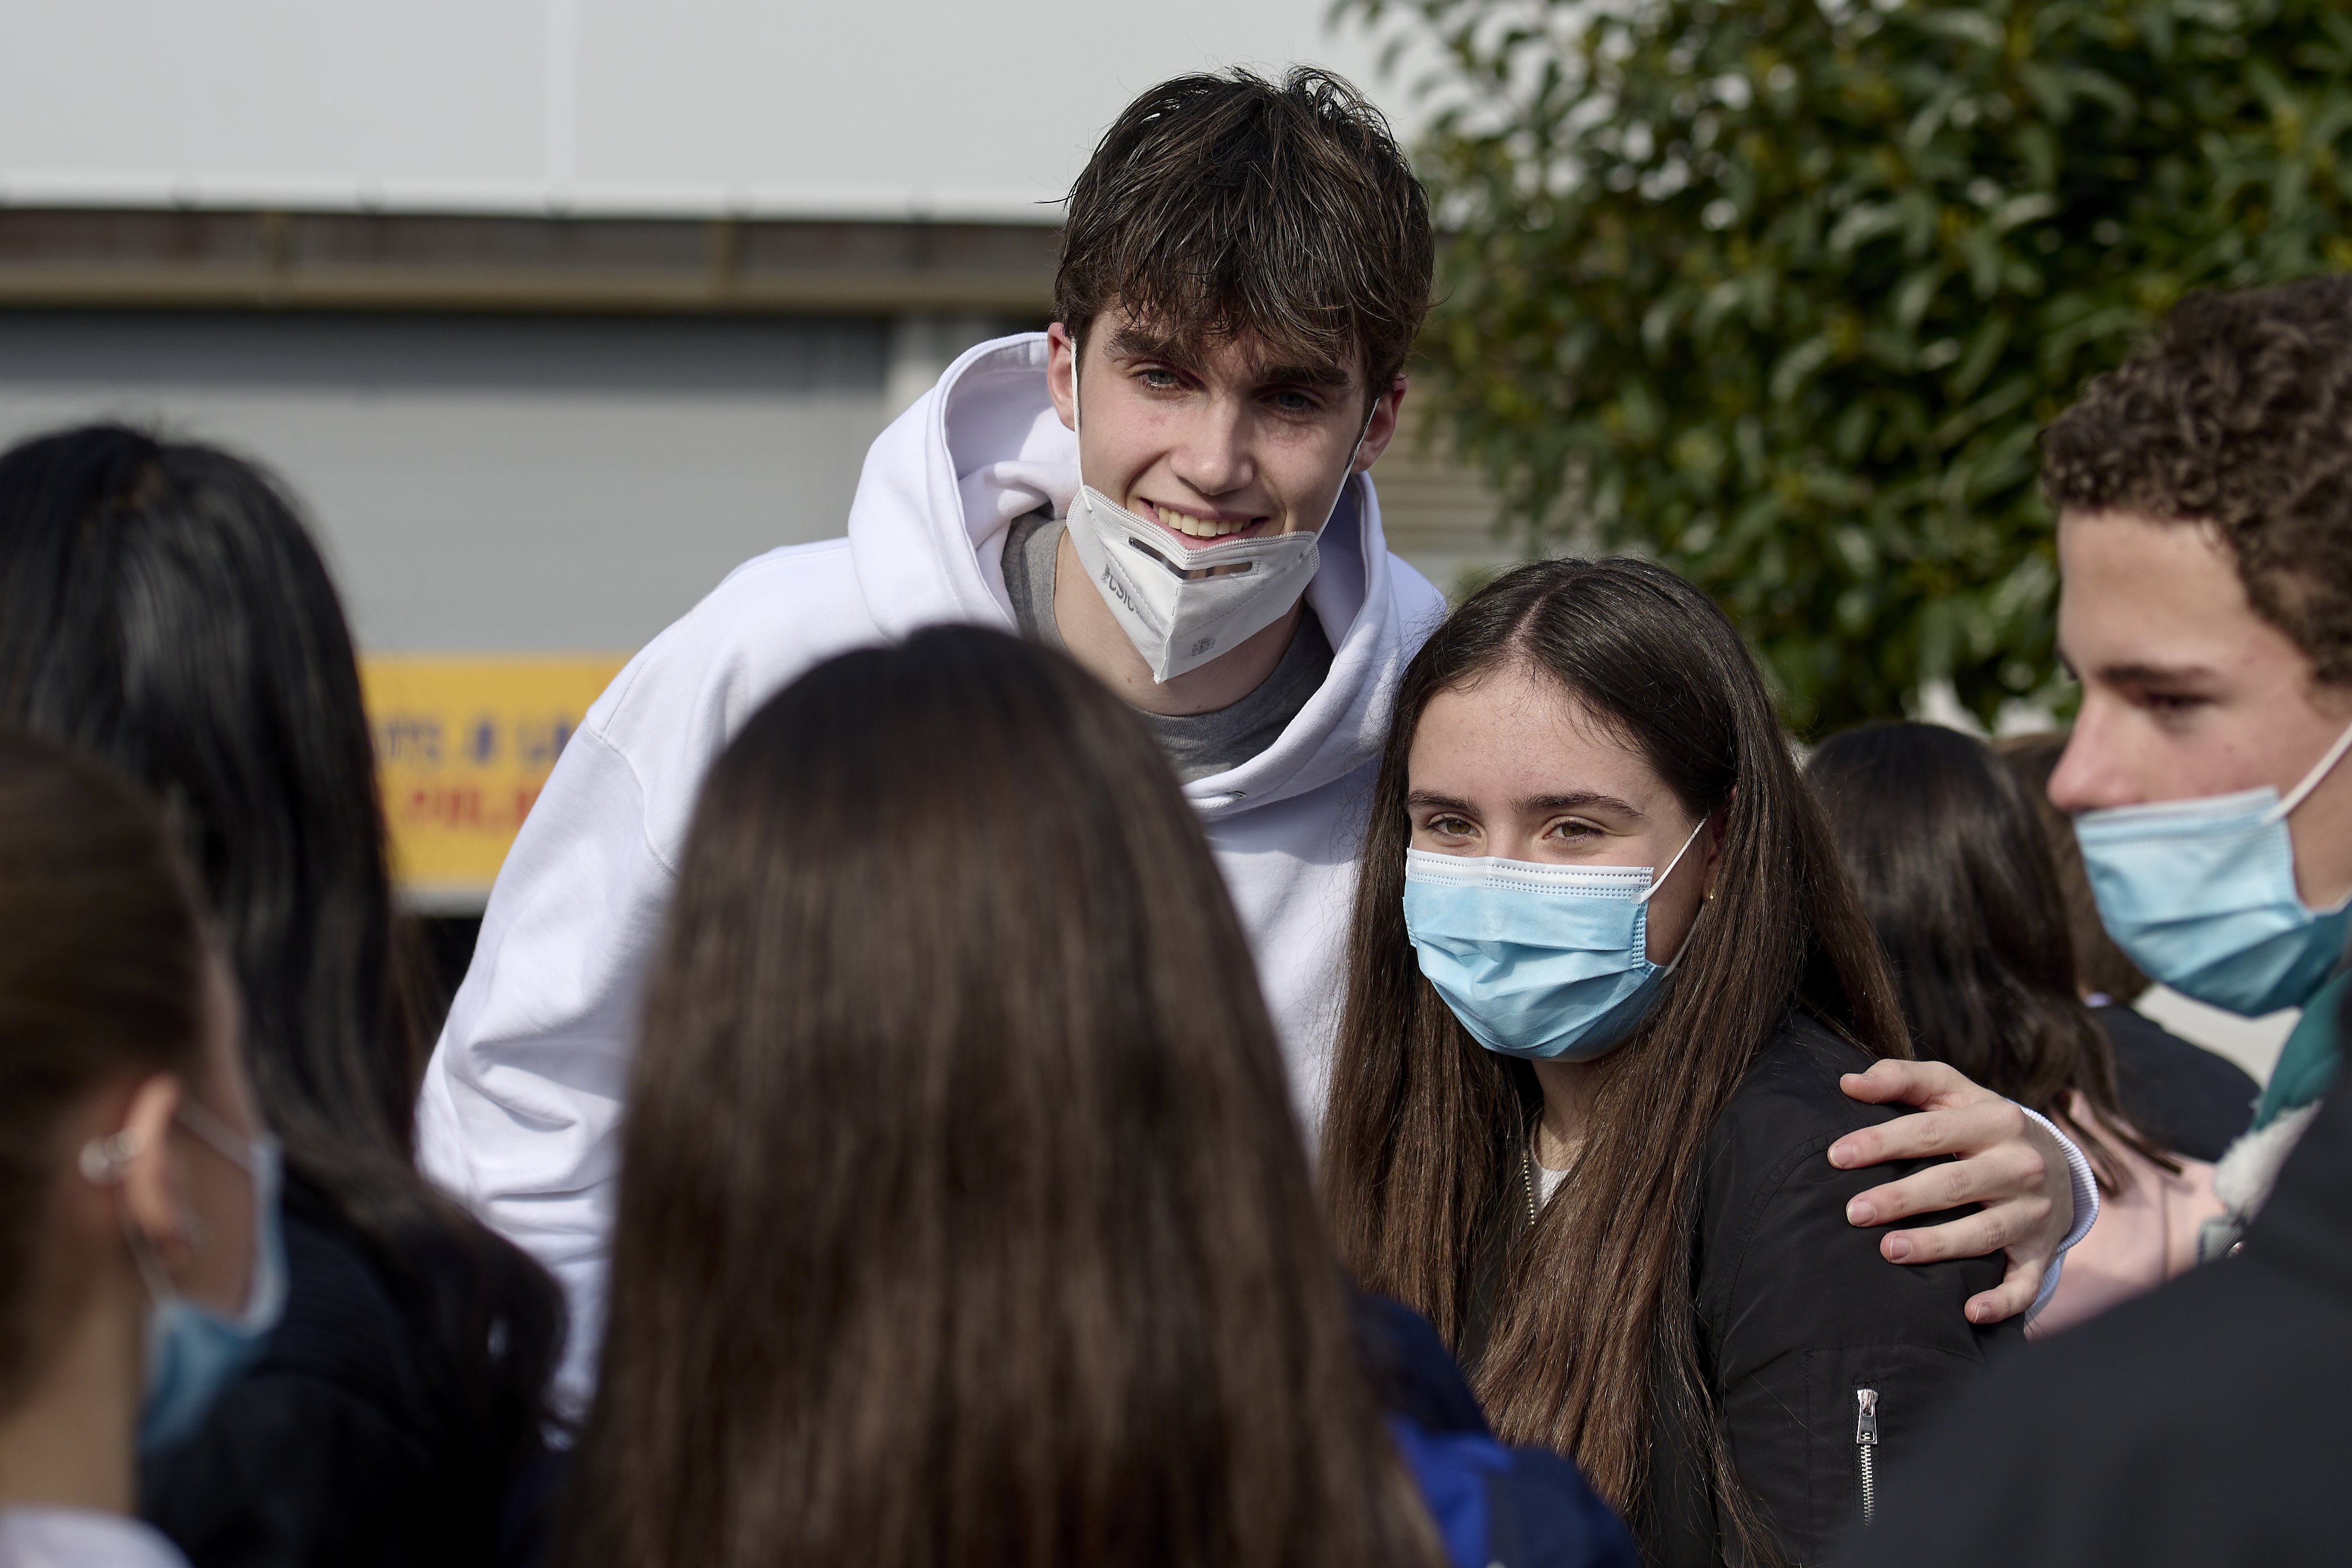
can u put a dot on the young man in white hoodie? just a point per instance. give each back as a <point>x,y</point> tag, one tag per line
<point>1169,484</point>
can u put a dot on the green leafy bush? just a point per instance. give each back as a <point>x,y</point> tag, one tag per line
<point>1779,291</point>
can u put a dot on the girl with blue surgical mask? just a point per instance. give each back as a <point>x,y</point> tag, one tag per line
<point>141,1265</point>
<point>1606,975</point>
<point>164,610</point>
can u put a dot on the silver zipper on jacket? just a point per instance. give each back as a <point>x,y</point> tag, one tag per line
<point>1865,1447</point>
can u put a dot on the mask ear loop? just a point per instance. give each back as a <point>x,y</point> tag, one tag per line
<point>1659,880</point>
<point>2313,780</point>
<point>223,1140</point>
<point>1347,474</point>
<point>101,1162</point>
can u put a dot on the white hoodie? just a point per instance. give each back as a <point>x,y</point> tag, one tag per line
<point>521,1104</point>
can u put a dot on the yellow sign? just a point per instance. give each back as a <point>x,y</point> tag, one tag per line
<point>463,746</point>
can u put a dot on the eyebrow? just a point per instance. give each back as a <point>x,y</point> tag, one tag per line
<point>1135,343</point>
<point>2155,675</point>
<point>1585,801</point>
<point>1582,801</point>
<point>1140,343</point>
<point>1335,377</point>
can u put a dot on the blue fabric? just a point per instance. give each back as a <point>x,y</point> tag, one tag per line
<point>1451,1469</point>
<point>1413,1372</point>
<point>1542,1515</point>
<point>1523,1508</point>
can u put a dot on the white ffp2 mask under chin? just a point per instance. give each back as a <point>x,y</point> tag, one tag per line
<point>1183,607</point>
<point>1180,607</point>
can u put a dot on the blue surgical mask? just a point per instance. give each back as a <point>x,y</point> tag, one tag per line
<point>1543,962</point>
<point>2200,894</point>
<point>192,1351</point>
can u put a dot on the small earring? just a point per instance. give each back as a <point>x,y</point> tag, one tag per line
<point>102,1159</point>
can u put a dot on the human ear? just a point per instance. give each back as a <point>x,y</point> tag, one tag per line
<point>1382,428</point>
<point>1717,826</point>
<point>146,1168</point>
<point>1060,372</point>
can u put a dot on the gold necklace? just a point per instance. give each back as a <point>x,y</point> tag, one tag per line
<point>1528,1176</point>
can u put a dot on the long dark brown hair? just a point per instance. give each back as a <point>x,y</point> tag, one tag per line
<point>1955,874</point>
<point>1594,1322</point>
<point>101,973</point>
<point>163,608</point>
<point>963,1218</point>
<point>2101,968</point>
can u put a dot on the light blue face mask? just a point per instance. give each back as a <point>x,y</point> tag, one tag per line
<point>1543,962</point>
<point>192,1351</point>
<point>2200,894</point>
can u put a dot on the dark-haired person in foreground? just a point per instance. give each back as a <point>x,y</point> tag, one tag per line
<point>1170,484</point>
<point>959,1225</point>
<point>1606,980</point>
<point>2204,495</point>
<point>2187,1097</point>
<point>162,608</point>
<point>141,1261</point>
<point>1958,882</point>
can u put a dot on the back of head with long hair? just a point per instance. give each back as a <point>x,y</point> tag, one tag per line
<point>162,608</point>
<point>102,974</point>
<point>1425,1127</point>
<point>2101,968</point>
<point>963,1218</point>
<point>1955,874</point>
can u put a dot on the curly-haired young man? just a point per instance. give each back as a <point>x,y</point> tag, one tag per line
<point>2205,538</point>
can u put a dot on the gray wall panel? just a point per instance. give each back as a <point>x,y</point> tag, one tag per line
<point>495,484</point>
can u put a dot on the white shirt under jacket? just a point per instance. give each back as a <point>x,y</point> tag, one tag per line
<point>521,1106</point>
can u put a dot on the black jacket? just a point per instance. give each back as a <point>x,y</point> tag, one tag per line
<point>2182,1095</point>
<point>2201,1426</point>
<point>1795,1313</point>
<point>344,1447</point>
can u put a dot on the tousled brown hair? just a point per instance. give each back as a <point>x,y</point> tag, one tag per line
<point>2238,414</point>
<point>101,974</point>
<point>1223,206</point>
<point>1427,1131</point>
<point>963,1218</point>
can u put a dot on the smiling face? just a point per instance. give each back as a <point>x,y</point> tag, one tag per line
<point>1220,444</point>
<point>2186,692</point>
<point>1513,767</point>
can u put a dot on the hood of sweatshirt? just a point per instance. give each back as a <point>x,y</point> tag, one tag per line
<point>943,485</point>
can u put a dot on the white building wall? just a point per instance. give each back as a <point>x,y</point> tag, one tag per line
<point>887,108</point>
<point>488,484</point>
